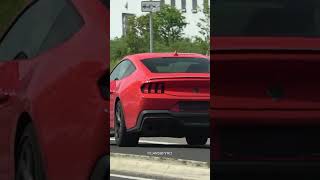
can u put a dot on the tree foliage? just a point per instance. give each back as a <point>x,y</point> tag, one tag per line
<point>204,25</point>
<point>168,26</point>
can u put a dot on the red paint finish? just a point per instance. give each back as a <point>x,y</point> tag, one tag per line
<point>58,90</point>
<point>178,87</point>
<point>271,97</point>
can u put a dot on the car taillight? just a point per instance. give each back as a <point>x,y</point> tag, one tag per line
<point>152,88</point>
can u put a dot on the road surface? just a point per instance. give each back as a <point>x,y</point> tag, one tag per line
<point>161,147</point>
<point>166,147</point>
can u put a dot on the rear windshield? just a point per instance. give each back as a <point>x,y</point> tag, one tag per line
<point>177,65</point>
<point>266,18</point>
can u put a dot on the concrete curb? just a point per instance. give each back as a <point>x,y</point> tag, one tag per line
<point>163,167</point>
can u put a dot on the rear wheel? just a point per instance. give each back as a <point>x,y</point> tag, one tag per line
<point>123,138</point>
<point>196,140</point>
<point>28,158</point>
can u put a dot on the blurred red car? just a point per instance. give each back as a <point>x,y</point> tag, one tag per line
<point>160,94</point>
<point>53,80</point>
<point>265,105</point>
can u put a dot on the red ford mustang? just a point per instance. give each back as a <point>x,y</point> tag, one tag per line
<point>160,94</point>
<point>265,105</point>
<point>53,68</point>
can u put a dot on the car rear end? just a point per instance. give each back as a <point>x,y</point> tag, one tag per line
<point>174,97</point>
<point>266,109</point>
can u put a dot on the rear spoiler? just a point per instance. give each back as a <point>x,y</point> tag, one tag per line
<point>264,51</point>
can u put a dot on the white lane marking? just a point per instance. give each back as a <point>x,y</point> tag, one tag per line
<point>153,142</point>
<point>129,177</point>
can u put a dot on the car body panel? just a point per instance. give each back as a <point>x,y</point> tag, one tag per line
<point>58,90</point>
<point>275,86</point>
<point>134,101</point>
<point>243,70</point>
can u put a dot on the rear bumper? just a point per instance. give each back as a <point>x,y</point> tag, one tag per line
<point>242,116</point>
<point>171,124</point>
<point>101,170</point>
<point>266,167</point>
<point>265,134</point>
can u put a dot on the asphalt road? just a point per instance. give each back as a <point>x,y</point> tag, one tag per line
<point>161,147</point>
<point>120,176</point>
<point>126,177</point>
<point>166,147</point>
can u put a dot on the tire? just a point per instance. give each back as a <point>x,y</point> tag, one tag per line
<point>196,140</point>
<point>122,138</point>
<point>29,165</point>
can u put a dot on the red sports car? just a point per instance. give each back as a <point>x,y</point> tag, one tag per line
<point>265,106</point>
<point>160,94</point>
<point>53,79</point>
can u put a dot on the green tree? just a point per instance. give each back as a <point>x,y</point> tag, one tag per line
<point>169,24</point>
<point>135,36</point>
<point>168,28</point>
<point>204,26</point>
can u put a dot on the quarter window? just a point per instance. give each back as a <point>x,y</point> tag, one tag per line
<point>123,69</point>
<point>39,28</point>
<point>131,68</point>
<point>67,23</point>
<point>115,73</point>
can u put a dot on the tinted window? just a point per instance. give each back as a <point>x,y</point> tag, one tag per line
<point>115,73</point>
<point>43,25</point>
<point>67,24</point>
<point>177,65</point>
<point>123,69</point>
<point>266,18</point>
<point>9,12</point>
<point>131,68</point>
<point>120,70</point>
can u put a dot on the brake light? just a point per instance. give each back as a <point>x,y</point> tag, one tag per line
<point>152,88</point>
